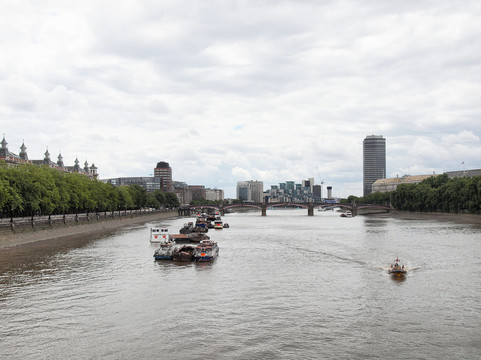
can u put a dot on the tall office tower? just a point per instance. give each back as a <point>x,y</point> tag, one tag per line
<point>242,191</point>
<point>250,190</point>
<point>374,161</point>
<point>163,174</point>
<point>257,190</point>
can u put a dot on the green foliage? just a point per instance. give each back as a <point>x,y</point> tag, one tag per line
<point>437,193</point>
<point>205,202</point>
<point>29,190</point>
<point>171,200</point>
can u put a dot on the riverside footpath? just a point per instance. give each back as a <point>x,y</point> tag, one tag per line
<point>15,232</point>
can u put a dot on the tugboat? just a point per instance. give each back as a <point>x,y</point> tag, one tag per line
<point>396,269</point>
<point>207,250</point>
<point>158,235</point>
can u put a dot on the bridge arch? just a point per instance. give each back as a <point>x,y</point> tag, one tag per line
<point>304,206</point>
<point>259,207</point>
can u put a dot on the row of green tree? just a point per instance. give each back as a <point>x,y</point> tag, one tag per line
<point>198,202</point>
<point>28,190</point>
<point>435,194</point>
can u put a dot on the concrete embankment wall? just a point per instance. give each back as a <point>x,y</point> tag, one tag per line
<point>27,231</point>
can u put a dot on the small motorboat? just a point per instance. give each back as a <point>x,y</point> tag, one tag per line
<point>218,224</point>
<point>397,269</point>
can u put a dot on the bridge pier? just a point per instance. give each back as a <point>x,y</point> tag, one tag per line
<point>310,209</point>
<point>184,211</point>
<point>264,209</point>
<point>354,209</point>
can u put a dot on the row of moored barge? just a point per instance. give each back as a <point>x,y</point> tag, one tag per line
<point>170,248</point>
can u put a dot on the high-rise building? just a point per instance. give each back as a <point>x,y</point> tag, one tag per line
<point>250,190</point>
<point>374,161</point>
<point>163,172</point>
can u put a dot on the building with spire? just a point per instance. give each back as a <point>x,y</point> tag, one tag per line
<point>13,159</point>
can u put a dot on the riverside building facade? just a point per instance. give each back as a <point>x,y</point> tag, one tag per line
<point>13,159</point>
<point>374,161</point>
<point>162,180</point>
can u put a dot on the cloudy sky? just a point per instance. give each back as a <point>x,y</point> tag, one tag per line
<point>243,90</point>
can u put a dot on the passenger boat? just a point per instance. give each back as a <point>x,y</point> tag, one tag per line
<point>397,269</point>
<point>165,251</point>
<point>207,250</point>
<point>218,224</point>
<point>159,234</point>
<point>346,214</point>
<point>185,253</point>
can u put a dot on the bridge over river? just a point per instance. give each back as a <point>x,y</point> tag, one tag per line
<point>355,209</point>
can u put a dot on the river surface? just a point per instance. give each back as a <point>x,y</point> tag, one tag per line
<point>285,286</point>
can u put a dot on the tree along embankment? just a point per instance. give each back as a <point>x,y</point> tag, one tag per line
<point>24,231</point>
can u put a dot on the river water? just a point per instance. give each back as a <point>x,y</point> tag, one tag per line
<point>285,286</point>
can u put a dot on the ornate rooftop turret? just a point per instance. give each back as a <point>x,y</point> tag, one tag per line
<point>46,159</point>
<point>60,160</point>
<point>4,149</point>
<point>93,171</point>
<point>23,151</point>
<point>86,166</point>
<point>76,167</point>
<point>4,143</point>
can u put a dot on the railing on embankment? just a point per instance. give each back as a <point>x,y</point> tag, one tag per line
<point>34,223</point>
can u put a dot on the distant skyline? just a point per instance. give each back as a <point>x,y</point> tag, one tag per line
<point>245,90</point>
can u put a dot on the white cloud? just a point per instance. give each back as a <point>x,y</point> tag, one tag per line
<point>241,173</point>
<point>229,91</point>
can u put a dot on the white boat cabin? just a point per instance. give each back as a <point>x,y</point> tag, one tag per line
<point>159,234</point>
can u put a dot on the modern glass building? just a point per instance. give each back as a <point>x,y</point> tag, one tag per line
<point>374,161</point>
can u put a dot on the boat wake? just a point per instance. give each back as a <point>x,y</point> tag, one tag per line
<point>324,253</point>
<point>350,260</point>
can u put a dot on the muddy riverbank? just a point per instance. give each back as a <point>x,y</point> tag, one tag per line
<point>457,218</point>
<point>12,239</point>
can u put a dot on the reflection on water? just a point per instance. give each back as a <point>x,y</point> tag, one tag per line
<point>284,286</point>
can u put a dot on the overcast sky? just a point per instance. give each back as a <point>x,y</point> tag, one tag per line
<point>226,91</point>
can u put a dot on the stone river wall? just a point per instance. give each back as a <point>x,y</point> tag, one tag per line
<point>23,231</point>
